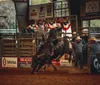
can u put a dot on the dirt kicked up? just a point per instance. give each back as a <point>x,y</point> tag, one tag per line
<point>64,76</point>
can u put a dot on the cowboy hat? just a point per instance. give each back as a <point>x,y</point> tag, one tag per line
<point>74,33</point>
<point>92,38</point>
<point>54,25</point>
<point>78,38</point>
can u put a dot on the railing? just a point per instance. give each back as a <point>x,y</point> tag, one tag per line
<point>18,45</point>
<point>26,45</point>
<point>8,45</point>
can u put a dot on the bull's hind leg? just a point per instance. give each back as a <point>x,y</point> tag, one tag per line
<point>44,68</point>
<point>69,59</point>
<point>34,68</point>
<point>39,67</point>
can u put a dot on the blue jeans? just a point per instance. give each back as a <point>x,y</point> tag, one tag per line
<point>79,60</point>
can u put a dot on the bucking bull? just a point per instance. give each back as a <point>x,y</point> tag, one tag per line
<point>47,53</point>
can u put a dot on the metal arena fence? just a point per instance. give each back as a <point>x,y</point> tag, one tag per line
<point>18,45</point>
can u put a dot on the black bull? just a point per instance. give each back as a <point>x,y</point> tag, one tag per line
<point>44,56</point>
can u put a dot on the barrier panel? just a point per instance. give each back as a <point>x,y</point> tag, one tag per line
<point>94,49</point>
<point>15,46</point>
<point>26,45</point>
<point>9,45</point>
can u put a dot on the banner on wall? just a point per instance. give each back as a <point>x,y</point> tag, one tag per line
<point>94,64</point>
<point>35,2</point>
<point>8,30</point>
<point>40,11</point>
<point>9,62</point>
<point>92,7</point>
<point>25,62</point>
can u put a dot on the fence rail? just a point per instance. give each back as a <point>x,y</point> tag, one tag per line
<point>21,44</point>
<point>17,45</point>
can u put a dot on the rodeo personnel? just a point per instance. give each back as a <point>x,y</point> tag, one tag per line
<point>94,53</point>
<point>94,46</point>
<point>78,52</point>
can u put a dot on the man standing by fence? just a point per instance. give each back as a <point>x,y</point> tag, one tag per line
<point>78,52</point>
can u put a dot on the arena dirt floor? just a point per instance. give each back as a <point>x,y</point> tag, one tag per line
<point>64,76</point>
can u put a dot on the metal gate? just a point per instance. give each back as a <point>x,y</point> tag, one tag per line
<point>18,45</point>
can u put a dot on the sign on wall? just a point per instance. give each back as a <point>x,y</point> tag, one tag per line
<point>8,30</point>
<point>65,63</point>
<point>25,62</point>
<point>40,11</point>
<point>94,64</point>
<point>35,2</point>
<point>9,62</point>
<point>92,7</point>
<point>25,59</point>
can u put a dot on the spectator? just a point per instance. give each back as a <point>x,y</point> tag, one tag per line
<point>23,30</point>
<point>74,36</point>
<point>30,28</point>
